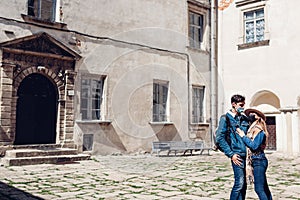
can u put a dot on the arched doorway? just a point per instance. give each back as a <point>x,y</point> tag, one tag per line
<point>36,111</point>
<point>269,103</point>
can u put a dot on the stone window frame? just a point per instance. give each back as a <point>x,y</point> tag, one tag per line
<point>103,110</point>
<point>248,6</point>
<point>198,111</point>
<point>203,10</point>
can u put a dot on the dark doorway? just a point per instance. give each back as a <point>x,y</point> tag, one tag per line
<point>271,127</point>
<point>36,111</point>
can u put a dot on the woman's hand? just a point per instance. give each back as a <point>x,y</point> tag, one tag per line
<point>240,132</point>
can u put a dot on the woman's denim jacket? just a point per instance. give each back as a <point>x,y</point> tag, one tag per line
<point>257,145</point>
<point>236,144</point>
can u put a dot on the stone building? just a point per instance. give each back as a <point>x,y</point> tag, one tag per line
<point>105,76</point>
<point>259,57</point>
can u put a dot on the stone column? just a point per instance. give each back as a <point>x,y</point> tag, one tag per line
<point>289,137</point>
<point>6,88</point>
<point>69,108</point>
<point>289,128</point>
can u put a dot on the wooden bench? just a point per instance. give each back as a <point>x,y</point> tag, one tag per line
<point>179,146</point>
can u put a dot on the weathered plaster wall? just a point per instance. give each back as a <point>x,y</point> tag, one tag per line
<point>159,32</point>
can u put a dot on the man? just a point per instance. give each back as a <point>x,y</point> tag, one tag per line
<point>233,146</point>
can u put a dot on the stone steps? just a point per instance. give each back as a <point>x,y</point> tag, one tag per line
<point>41,154</point>
<point>19,153</point>
<point>35,146</point>
<point>44,160</point>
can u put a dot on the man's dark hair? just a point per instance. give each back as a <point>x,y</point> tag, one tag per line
<point>237,98</point>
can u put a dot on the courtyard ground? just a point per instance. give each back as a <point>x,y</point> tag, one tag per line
<point>143,176</point>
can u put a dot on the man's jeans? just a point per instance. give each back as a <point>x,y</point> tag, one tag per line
<point>239,188</point>
<point>260,180</point>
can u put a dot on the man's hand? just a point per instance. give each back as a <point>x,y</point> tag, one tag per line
<point>236,159</point>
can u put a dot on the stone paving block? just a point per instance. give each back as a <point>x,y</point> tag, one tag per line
<point>251,193</point>
<point>196,192</point>
<point>174,183</point>
<point>168,194</point>
<point>186,196</point>
<point>295,189</point>
<point>112,195</point>
<point>141,196</point>
<point>71,194</point>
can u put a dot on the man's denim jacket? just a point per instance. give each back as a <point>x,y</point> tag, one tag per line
<point>236,146</point>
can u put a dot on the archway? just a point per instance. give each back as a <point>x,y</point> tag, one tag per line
<point>265,97</point>
<point>36,111</point>
<point>269,103</point>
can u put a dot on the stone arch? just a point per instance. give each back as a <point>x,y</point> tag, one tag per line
<point>265,97</point>
<point>36,111</point>
<point>57,78</point>
<point>51,75</point>
<point>269,103</point>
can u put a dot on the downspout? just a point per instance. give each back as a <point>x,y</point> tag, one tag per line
<point>189,97</point>
<point>213,66</point>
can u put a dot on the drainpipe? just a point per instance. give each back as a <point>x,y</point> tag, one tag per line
<point>213,66</point>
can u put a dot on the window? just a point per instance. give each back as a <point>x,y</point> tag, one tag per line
<point>195,29</point>
<point>254,26</point>
<point>42,9</point>
<point>91,98</point>
<point>198,32</point>
<point>88,140</point>
<point>198,105</point>
<point>160,99</point>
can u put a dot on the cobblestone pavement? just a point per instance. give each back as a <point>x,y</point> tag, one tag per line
<point>143,177</point>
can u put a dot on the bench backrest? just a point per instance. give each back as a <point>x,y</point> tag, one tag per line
<point>177,145</point>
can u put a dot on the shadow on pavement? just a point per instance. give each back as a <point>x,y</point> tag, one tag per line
<point>8,192</point>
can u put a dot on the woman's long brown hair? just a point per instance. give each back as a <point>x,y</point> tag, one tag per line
<point>263,125</point>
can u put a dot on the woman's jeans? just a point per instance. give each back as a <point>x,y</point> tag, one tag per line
<point>239,188</point>
<point>260,166</point>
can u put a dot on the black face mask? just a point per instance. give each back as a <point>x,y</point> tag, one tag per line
<point>251,118</point>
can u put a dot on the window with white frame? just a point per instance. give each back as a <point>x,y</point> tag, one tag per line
<point>42,9</point>
<point>196,29</point>
<point>254,25</point>
<point>160,99</point>
<point>91,98</point>
<point>198,104</point>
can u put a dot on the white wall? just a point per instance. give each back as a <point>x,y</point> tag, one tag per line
<point>273,68</point>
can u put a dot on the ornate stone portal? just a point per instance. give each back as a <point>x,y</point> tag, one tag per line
<point>37,54</point>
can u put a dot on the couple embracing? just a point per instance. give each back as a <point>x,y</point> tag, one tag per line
<point>242,136</point>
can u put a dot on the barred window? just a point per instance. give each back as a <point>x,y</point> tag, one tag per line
<point>198,105</point>
<point>160,98</point>
<point>91,98</point>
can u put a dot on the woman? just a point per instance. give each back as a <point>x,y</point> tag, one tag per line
<point>256,140</point>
